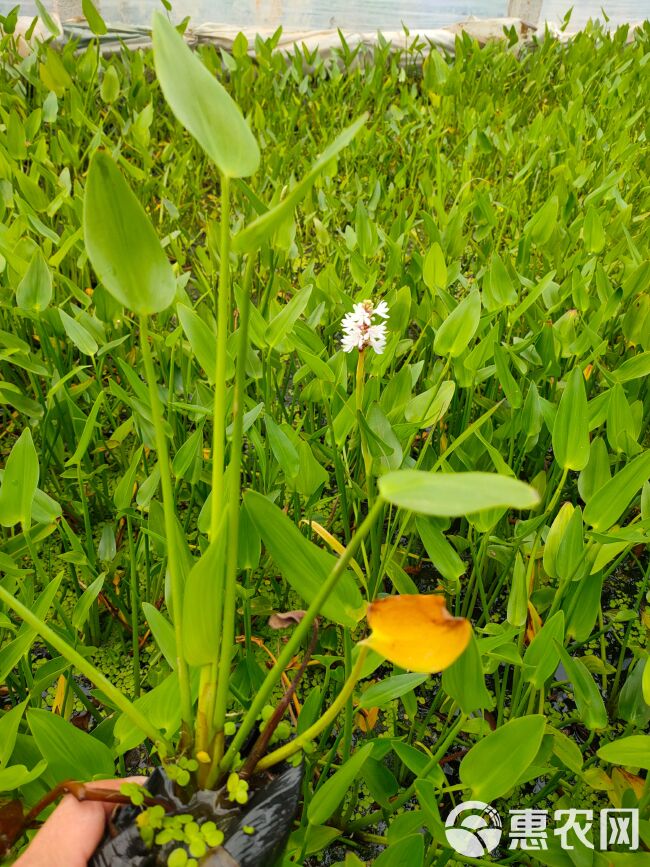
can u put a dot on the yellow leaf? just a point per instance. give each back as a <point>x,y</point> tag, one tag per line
<point>417,632</point>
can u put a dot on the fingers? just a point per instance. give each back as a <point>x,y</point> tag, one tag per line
<point>71,834</point>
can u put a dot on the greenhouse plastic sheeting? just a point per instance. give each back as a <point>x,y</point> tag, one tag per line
<point>325,41</point>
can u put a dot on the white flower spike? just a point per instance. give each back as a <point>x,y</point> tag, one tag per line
<point>359,329</point>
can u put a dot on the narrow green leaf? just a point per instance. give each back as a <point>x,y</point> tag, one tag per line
<point>331,793</point>
<point>87,433</point>
<point>303,564</point>
<point>591,708</point>
<point>391,688</point>
<point>85,601</point>
<point>254,235</point>
<point>610,501</point>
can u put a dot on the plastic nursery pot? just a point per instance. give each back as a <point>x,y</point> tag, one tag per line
<point>255,833</point>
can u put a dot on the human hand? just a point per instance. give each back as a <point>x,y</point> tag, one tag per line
<point>70,835</point>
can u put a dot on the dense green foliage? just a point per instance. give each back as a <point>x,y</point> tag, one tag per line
<point>497,201</point>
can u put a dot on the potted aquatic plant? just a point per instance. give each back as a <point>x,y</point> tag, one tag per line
<point>225,793</point>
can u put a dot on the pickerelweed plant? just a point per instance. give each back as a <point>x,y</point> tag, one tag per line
<point>320,412</point>
<point>133,267</point>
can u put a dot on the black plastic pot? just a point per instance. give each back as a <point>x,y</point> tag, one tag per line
<point>272,805</point>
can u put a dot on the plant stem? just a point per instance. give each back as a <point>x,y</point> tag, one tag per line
<point>87,669</point>
<point>135,607</point>
<point>296,639</point>
<point>220,389</point>
<point>170,528</point>
<point>234,496</point>
<point>328,717</point>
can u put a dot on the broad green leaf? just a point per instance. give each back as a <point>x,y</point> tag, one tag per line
<point>637,367</point>
<point>201,104</point>
<point>464,680</point>
<point>78,335</point>
<point>597,471</point>
<point>541,657</point>
<point>441,552</point>
<point>331,793</point>
<point>35,289</point>
<point>19,483</point>
<point>202,339</point>
<point>427,408</point>
<point>202,603</point>
<point>121,242</point>
<point>390,688</point>
<point>283,449</point>
<point>554,538</point>
<point>434,269</point>
<point>517,610</point>
<point>592,231</point>
<point>569,561</point>
<point>507,381</point>
<point>110,89</point>
<point>254,235</point>
<point>16,776</point>
<point>303,564</point>
<point>70,753</point>
<point>51,25</point>
<point>13,651</point>
<point>161,708</point>
<point>163,633</point>
<point>571,427</point>
<point>632,751</point>
<point>455,333</point>
<point>498,291</point>
<point>591,708</point>
<point>567,751</point>
<point>452,494</point>
<point>542,224</point>
<point>407,850</point>
<point>9,723</point>
<point>610,501</point>
<point>94,19</point>
<point>493,765</point>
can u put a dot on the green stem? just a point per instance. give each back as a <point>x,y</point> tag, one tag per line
<point>170,528</point>
<point>298,637</point>
<point>87,669</point>
<point>328,717</point>
<point>234,496</point>
<point>220,388</point>
<point>135,607</point>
